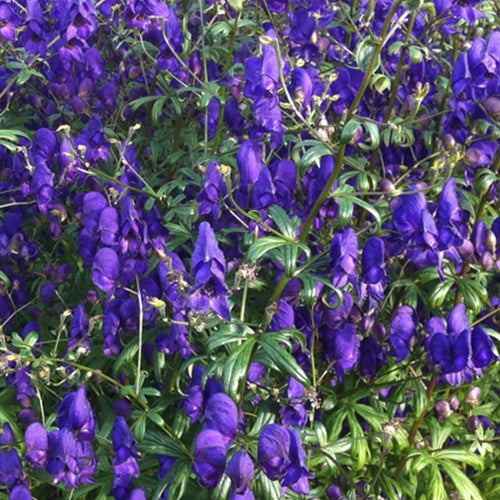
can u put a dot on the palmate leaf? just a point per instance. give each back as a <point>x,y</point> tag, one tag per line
<point>283,360</point>
<point>263,245</point>
<point>465,487</point>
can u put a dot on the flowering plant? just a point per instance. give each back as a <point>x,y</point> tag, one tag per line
<point>248,249</point>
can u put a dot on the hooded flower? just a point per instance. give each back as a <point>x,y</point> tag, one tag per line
<point>281,456</point>
<point>403,330</point>
<point>344,257</point>
<point>240,470</point>
<point>372,270</point>
<point>76,414</point>
<point>36,438</point>
<point>221,414</point>
<point>208,266</point>
<point>106,269</point>
<point>125,462</point>
<point>209,458</point>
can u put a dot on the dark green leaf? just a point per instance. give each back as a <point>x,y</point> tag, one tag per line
<point>284,360</point>
<point>263,245</point>
<point>235,368</point>
<point>349,130</point>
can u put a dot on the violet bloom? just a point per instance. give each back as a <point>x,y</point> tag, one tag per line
<point>125,463</point>
<point>344,257</point>
<point>221,414</point>
<point>403,331</point>
<point>106,269</point>
<point>79,330</point>
<point>69,459</point>
<point>9,21</point>
<point>449,217</point>
<point>212,189</point>
<point>208,265</point>
<point>240,470</point>
<point>449,346</point>
<point>281,456</point>
<point>76,414</point>
<point>36,438</point>
<point>342,346</point>
<point>372,271</point>
<point>295,413</point>
<point>209,458</point>
<point>11,469</point>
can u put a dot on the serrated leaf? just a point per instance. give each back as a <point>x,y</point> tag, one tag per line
<point>284,360</point>
<point>263,245</point>
<point>440,293</point>
<point>235,368</point>
<point>436,486</point>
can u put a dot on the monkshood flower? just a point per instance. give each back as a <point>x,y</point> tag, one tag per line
<point>240,470</point>
<point>284,174</point>
<point>35,30</point>
<point>465,9</point>
<point>209,458</point>
<point>373,275</point>
<point>250,164</point>
<point>69,459</point>
<point>459,352</point>
<point>475,74</point>
<point>37,445</point>
<point>343,258</point>
<point>450,223</point>
<point>9,21</point>
<point>213,188</point>
<point>295,413</point>
<point>106,269</point>
<point>20,492</point>
<point>342,348</point>
<point>12,473</point>
<point>125,463</point>
<point>281,457</point>
<point>372,357</point>
<point>79,330</point>
<point>221,415</point>
<point>208,265</point>
<point>403,331</point>
<point>76,414</point>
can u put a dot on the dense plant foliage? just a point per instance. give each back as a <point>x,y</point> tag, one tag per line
<point>248,249</point>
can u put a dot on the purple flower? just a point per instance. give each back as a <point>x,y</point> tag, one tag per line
<point>240,470</point>
<point>125,463</point>
<point>208,266</point>
<point>342,346</point>
<point>9,21</point>
<point>274,451</point>
<point>281,456</point>
<point>372,271</point>
<point>212,187</point>
<point>403,330</point>
<point>482,348</point>
<point>106,269</point>
<point>75,413</point>
<point>209,458</point>
<point>11,469</point>
<point>20,492</point>
<point>36,438</point>
<point>221,414</point>
<point>295,413</point>
<point>70,459</point>
<point>344,257</point>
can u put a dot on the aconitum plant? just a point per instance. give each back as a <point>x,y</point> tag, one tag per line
<point>249,249</point>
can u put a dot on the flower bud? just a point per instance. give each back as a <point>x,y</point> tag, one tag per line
<point>454,403</point>
<point>491,240</point>
<point>443,409</point>
<point>449,141</point>
<point>386,185</point>
<point>492,106</point>
<point>473,396</point>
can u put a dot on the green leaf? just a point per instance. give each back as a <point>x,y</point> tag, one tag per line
<point>313,155</point>
<point>287,226</point>
<point>374,133</point>
<point>290,259</point>
<point>284,360</point>
<point>235,368</point>
<point>365,51</point>
<point>263,245</point>
<point>467,489</point>
<point>484,179</point>
<point>440,293</point>
<point>436,486</point>
<point>265,488</point>
<point>349,130</point>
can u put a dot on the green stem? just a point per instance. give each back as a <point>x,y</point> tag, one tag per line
<point>141,325</point>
